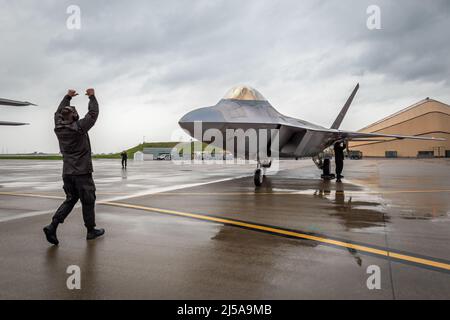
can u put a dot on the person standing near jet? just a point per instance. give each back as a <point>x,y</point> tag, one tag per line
<point>74,144</point>
<point>339,148</point>
<point>124,156</point>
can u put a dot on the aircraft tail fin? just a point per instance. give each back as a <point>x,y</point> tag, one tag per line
<point>341,114</point>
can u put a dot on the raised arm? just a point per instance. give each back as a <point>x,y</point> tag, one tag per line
<point>91,117</point>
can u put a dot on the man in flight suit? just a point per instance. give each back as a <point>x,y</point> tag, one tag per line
<point>72,134</point>
<point>339,148</point>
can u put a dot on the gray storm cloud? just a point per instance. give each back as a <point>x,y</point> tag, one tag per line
<point>152,61</point>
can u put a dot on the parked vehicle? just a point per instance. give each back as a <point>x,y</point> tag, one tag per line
<point>354,154</point>
<point>164,156</point>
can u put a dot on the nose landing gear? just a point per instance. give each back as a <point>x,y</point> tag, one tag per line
<point>260,172</point>
<point>258,178</point>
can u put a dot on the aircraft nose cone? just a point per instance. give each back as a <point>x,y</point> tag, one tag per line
<point>187,121</point>
<point>206,115</point>
<point>189,117</point>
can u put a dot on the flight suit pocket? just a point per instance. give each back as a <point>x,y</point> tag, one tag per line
<point>88,195</point>
<point>70,191</point>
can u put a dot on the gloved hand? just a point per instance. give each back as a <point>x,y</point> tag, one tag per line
<point>90,92</point>
<point>72,93</point>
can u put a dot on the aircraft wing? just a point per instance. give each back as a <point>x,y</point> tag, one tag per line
<point>8,123</point>
<point>318,138</point>
<point>310,141</point>
<point>15,103</point>
<point>351,135</point>
<point>359,135</point>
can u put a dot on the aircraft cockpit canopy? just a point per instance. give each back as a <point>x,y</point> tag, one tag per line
<point>244,93</point>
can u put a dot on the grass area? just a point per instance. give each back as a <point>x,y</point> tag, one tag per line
<point>140,147</point>
<point>130,152</point>
<point>29,157</point>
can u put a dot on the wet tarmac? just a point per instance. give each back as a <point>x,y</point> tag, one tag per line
<point>205,232</point>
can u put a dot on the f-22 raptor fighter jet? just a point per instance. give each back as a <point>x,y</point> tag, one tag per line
<point>246,109</point>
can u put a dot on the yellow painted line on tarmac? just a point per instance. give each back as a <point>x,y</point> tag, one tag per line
<point>431,263</point>
<point>31,195</point>
<point>274,230</point>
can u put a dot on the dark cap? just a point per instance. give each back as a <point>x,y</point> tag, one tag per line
<point>70,113</point>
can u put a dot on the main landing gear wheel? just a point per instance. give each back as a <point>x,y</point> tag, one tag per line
<point>258,178</point>
<point>326,174</point>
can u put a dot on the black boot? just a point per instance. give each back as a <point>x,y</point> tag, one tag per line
<point>50,233</point>
<point>94,233</point>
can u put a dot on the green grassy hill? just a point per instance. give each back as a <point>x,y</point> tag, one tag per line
<point>139,147</point>
<point>29,157</point>
<point>130,152</point>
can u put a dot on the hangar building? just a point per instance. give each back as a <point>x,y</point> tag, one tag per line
<point>424,118</point>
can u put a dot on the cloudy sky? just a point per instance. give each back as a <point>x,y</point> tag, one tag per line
<point>153,61</point>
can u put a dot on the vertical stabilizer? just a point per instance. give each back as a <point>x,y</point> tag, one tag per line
<point>341,114</point>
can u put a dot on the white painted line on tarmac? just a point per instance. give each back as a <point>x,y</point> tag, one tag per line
<point>26,215</point>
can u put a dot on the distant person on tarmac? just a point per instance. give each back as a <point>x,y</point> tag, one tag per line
<point>339,148</point>
<point>124,156</point>
<point>74,144</point>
